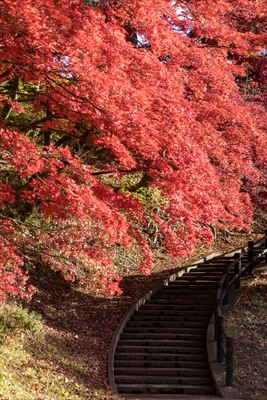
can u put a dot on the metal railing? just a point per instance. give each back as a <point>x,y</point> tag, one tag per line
<point>254,253</point>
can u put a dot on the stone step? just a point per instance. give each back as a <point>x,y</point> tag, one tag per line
<point>257,250</point>
<point>216,267</point>
<point>190,291</point>
<point>208,273</point>
<point>167,357</point>
<point>186,293</point>
<point>161,343</point>
<point>171,307</point>
<point>167,324</point>
<point>219,260</point>
<point>207,284</point>
<point>177,312</point>
<point>161,349</point>
<point>180,312</point>
<point>183,285</point>
<point>143,314</point>
<point>162,336</point>
<point>164,389</point>
<point>205,271</point>
<point>183,281</point>
<point>174,296</point>
<point>167,330</point>
<point>151,379</point>
<point>162,372</point>
<point>159,364</point>
<point>191,278</point>
<point>201,277</point>
<point>212,265</point>
<point>179,301</point>
<point>171,318</point>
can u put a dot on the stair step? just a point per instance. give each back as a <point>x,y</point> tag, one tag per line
<point>183,285</point>
<point>161,349</point>
<point>174,306</point>
<point>211,266</point>
<point>192,278</point>
<point>206,271</point>
<point>161,343</point>
<point>167,324</point>
<point>186,295</point>
<point>217,267</point>
<point>190,291</point>
<point>183,280</point>
<point>164,389</point>
<point>179,307</point>
<point>150,379</point>
<point>196,281</point>
<point>258,249</point>
<point>166,330</point>
<point>178,311</point>
<point>160,364</point>
<point>162,372</point>
<point>167,357</point>
<point>177,296</point>
<point>209,275</point>
<point>201,278</point>
<point>219,259</point>
<point>179,301</point>
<point>181,318</point>
<point>161,336</point>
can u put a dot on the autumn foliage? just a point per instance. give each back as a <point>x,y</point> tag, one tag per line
<point>170,95</point>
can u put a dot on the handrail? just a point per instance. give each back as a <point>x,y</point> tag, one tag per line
<point>225,343</point>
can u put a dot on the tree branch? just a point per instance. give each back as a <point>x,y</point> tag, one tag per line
<point>7,107</point>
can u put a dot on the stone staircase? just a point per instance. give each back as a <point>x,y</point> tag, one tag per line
<point>162,349</point>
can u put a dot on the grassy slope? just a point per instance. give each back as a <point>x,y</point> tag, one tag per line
<point>64,355</point>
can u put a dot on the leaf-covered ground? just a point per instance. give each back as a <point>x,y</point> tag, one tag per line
<point>65,355</point>
<point>248,325</point>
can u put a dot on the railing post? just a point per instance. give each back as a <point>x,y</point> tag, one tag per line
<point>220,355</point>
<point>229,361</point>
<point>226,285</point>
<point>237,257</point>
<point>251,257</point>
<point>221,291</point>
<point>218,304</point>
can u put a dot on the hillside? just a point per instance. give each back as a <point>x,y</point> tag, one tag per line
<point>64,355</point>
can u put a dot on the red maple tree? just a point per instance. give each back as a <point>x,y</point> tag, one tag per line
<point>169,93</point>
